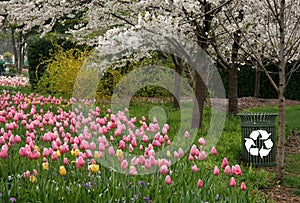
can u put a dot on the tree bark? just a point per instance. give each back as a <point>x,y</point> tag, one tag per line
<point>281,88</point>
<point>200,91</point>
<point>233,76</point>
<point>177,84</point>
<point>14,45</point>
<point>257,82</point>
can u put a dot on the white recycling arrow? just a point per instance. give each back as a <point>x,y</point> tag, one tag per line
<point>264,152</point>
<point>249,143</point>
<point>254,135</point>
<point>264,134</point>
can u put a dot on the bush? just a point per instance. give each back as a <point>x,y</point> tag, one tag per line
<point>61,72</point>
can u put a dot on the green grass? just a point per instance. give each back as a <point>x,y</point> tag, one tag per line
<point>292,172</point>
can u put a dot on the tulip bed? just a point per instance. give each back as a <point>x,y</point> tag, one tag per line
<point>58,150</point>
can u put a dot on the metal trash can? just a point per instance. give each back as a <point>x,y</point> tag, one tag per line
<point>259,138</point>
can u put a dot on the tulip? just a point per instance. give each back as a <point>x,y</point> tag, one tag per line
<point>124,164</point>
<point>213,151</point>
<point>227,170</point>
<point>243,186</point>
<point>45,165</point>
<point>232,182</point>
<point>168,180</point>
<point>201,141</point>
<point>164,170</point>
<point>62,171</point>
<point>224,163</point>
<point>32,179</point>
<point>216,171</point>
<point>66,161</point>
<point>200,183</point>
<point>195,168</point>
<point>94,168</point>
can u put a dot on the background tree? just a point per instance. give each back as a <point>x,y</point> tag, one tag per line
<point>272,34</point>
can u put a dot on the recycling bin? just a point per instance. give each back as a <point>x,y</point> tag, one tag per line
<point>259,138</point>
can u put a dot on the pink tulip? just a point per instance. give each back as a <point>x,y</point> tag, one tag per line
<point>200,183</point>
<point>23,152</point>
<point>232,182</point>
<point>195,168</point>
<point>124,164</point>
<point>243,186</point>
<point>201,141</point>
<point>164,170</point>
<point>111,151</point>
<point>213,151</point>
<point>122,145</point>
<point>147,164</point>
<point>238,170</point>
<point>227,170</point>
<point>80,162</point>
<point>216,171</point>
<point>26,174</point>
<point>224,163</point>
<point>132,171</point>
<point>186,134</point>
<point>176,155</point>
<point>168,180</point>
<point>35,172</point>
<point>66,161</point>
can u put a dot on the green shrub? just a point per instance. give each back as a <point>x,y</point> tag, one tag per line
<point>61,72</point>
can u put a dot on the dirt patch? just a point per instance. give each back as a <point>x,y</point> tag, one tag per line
<point>251,102</point>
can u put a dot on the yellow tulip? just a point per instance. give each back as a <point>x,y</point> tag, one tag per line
<point>94,168</point>
<point>32,179</point>
<point>75,152</point>
<point>169,154</point>
<point>37,148</point>
<point>62,171</point>
<point>119,153</point>
<point>58,153</point>
<point>96,155</point>
<point>45,165</point>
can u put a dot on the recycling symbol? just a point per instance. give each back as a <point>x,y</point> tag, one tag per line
<point>266,146</point>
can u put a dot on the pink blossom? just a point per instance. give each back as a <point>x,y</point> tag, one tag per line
<point>243,186</point>
<point>224,163</point>
<point>200,183</point>
<point>111,151</point>
<point>238,170</point>
<point>164,170</point>
<point>227,170</point>
<point>232,182</point>
<point>201,141</point>
<point>216,171</point>
<point>122,145</point>
<point>168,180</point>
<point>186,134</point>
<point>195,168</point>
<point>214,151</point>
<point>124,164</point>
<point>66,161</point>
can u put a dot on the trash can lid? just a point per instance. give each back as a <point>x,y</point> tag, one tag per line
<point>258,117</point>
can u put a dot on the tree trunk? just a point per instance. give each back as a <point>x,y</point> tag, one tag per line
<point>14,45</point>
<point>177,84</point>
<point>200,91</point>
<point>281,89</point>
<point>233,77</point>
<point>257,82</point>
